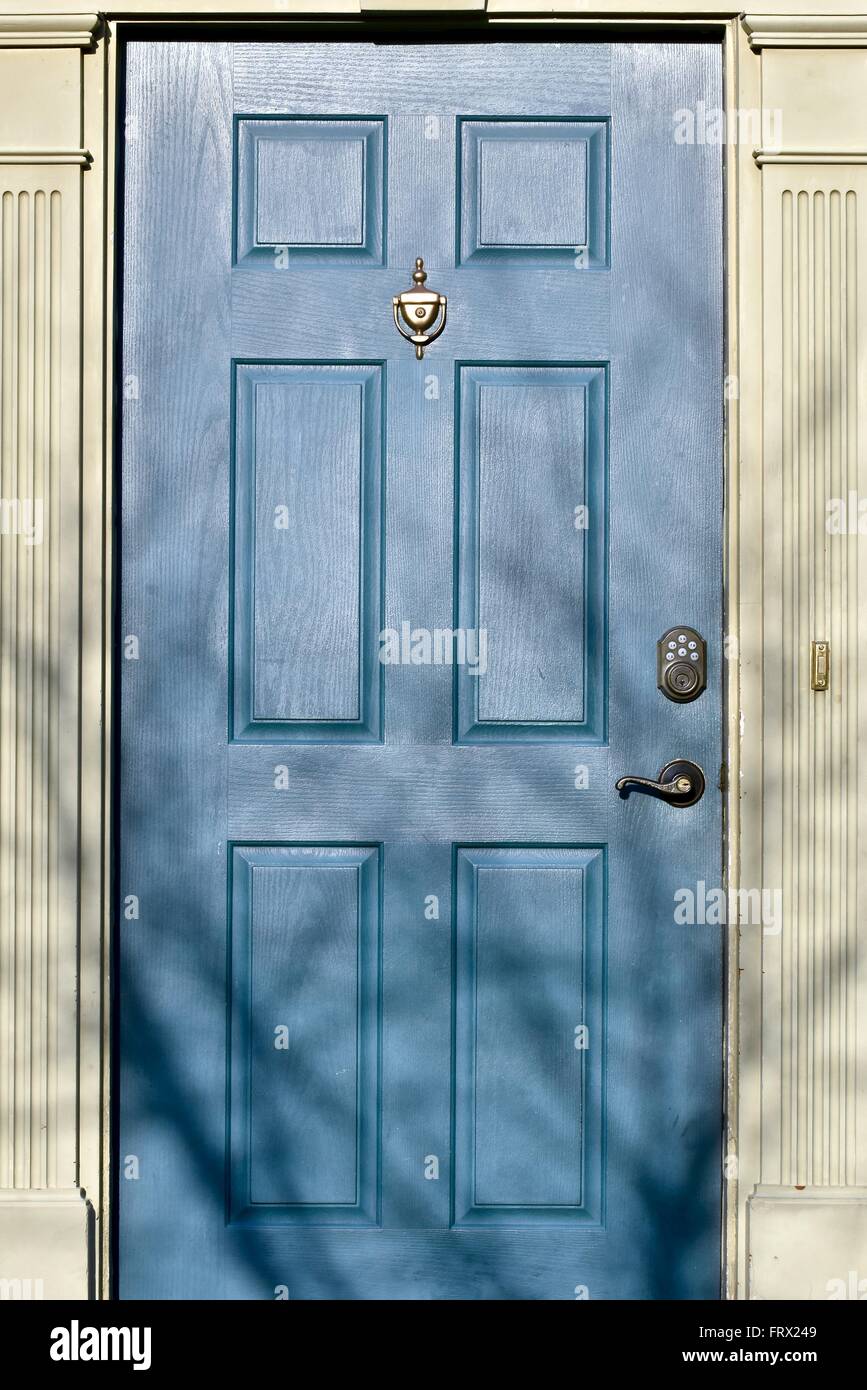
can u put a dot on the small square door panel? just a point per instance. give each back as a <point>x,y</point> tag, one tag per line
<point>309,190</point>
<point>535,190</point>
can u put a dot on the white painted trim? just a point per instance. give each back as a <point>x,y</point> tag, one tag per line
<point>808,1244</point>
<point>47,30</point>
<point>45,1243</point>
<point>742,190</point>
<point>769,1226</point>
<point>816,157</point>
<point>806,31</point>
<point>40,711</point>
<point>82,157</point>
<point>379,8</point>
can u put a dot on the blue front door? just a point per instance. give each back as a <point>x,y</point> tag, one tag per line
<point>406,1009</point>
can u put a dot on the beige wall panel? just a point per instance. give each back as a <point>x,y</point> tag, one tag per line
<point>45,1245</point>
<point>806,1219</point>
<point>812,1104</point>
<point>808,1245</point>
<point>40,210</point>
<point>43,1217</point>
<point>829,112</point>
<point>25,124</point>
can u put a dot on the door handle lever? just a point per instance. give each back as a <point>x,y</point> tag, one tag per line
<point>680,782</point>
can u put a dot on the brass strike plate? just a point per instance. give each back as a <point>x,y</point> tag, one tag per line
<point>820,665</point>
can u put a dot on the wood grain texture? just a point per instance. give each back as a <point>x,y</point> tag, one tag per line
<point>466,78</point>
<point>305,1023</point>
<point>665,527</point>
<point>176,439</point>
<point>532,466</point>
<point>534,191</point>
<point>309,192</point>
<point>529,926</point>
<point>636,428</point>
<point>307,553</point>
<point>504,791</point>
<point>310,438</point>
<point>270,318</point>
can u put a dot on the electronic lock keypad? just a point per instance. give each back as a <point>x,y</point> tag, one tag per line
<point>681,664</point>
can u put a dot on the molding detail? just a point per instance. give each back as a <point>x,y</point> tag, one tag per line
<point>813,1102</point>
<point>807,1244</point>
<point>379,7</point>
<point>48,30</point>
<point>763,157</point>
<point>806,31</point>
<point>48,156</point>
<point>44,1240</point>
<point>40,216</point>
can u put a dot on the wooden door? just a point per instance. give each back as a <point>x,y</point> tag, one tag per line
<point>404,1008</point>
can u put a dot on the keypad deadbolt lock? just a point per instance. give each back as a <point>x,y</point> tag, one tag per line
<point>681,664</point>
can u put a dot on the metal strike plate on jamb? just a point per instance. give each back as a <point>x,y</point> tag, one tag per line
<point>820,665</point>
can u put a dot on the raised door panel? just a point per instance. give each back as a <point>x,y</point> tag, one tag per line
<point>528,1055</point>
<point>307,557</point>
<point>309,191</point>
<point>531,553</point>
<point>533,191</point>
<point>304,1027</point>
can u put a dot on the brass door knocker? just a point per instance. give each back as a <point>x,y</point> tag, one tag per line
<point>419,308</point>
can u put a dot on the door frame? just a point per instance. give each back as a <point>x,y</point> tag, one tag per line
<point>63,98</point>
<point>401,28</point>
